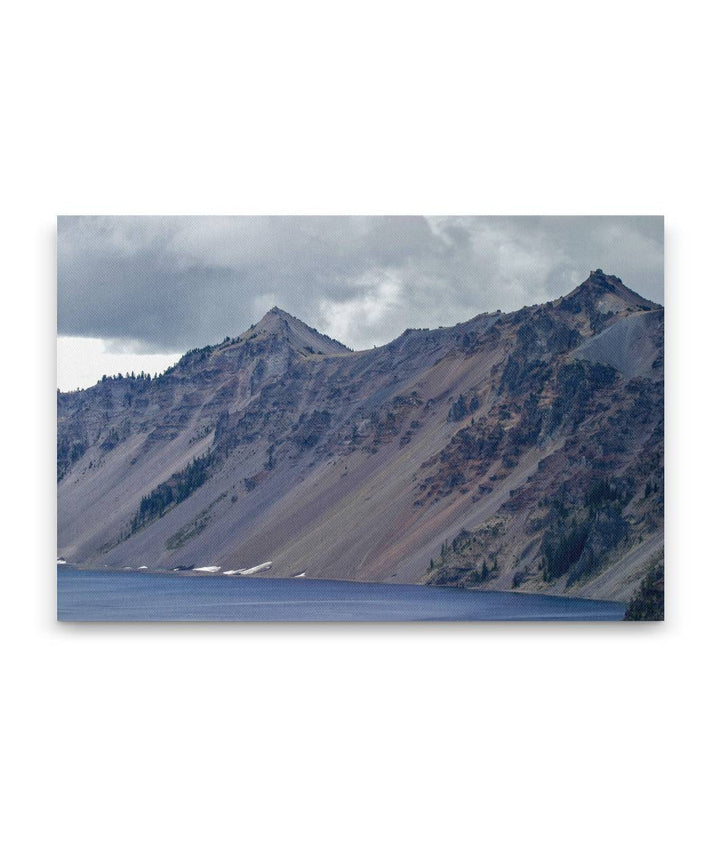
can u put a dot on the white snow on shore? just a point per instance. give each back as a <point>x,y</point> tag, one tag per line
<point>264,567</point>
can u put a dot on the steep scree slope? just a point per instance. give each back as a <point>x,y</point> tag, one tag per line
<point>520,450</point>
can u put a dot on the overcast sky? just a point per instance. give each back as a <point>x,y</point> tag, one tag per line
<point>136,292</point>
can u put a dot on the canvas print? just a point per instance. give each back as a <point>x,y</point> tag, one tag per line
<point>360,418</point>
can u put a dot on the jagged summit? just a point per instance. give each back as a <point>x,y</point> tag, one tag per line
<point>274,321</point>
<point>599,283</point>
<point>606,294</point>
<point>274,313</point>
<point>278,323</point>
<point>599,279</point>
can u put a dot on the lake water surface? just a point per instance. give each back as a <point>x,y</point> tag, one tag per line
<point>133,596</point>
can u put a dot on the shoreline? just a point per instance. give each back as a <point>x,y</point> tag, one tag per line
<point>194,573</point>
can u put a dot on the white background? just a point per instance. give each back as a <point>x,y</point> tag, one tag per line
<point>354,740</point>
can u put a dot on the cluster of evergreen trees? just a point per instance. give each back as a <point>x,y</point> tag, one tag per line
<point>68,451</point>
<point>461,408</point>
<point>452,572</point>
<point>143,376</point>
<point>649,602</point>
<point>606,491</point>
<point>172,492</point>
<point>486,573</point>
<point>564,549</point>
<point>563,546</point>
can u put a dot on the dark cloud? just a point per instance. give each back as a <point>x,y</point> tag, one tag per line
<point>166,284</point>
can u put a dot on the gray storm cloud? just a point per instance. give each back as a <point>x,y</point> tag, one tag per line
<point>167,284</point>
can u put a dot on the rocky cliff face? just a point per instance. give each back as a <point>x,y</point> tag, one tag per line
<point>520,450</point>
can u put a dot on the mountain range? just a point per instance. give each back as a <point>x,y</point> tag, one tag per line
<point>519,450</point>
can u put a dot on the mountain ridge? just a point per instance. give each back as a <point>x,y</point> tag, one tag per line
<point>284,445</point>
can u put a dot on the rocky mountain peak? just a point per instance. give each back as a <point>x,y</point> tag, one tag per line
<point>274,320</point>
<point>599,279</point>
<point>279,324</point>
<point>605,292</point>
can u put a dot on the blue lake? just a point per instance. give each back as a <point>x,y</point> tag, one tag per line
<point>132,596</point>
